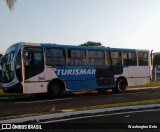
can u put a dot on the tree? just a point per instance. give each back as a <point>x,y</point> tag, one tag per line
<point>91,43</point>
<point>10,4</point>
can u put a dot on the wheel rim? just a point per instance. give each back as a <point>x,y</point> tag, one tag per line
<point>122,85</point>
<point>55,90</point>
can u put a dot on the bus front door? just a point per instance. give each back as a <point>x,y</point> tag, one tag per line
<point>33,63</point>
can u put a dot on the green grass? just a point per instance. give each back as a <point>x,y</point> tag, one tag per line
<point>143,102</point>
<point>25,115</point>
<point>9,94</point>
<point>152,84</point>
<point>1,91</point>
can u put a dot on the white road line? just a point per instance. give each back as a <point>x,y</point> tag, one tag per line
<point>29,102</point>
<point>100,115</point>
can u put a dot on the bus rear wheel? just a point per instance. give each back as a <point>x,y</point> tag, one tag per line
<point>121,86</point>
<point>54,89</point>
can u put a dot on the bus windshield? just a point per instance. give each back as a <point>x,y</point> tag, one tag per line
<point>7,64</point>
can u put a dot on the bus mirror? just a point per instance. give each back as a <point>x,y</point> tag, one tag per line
<point>27,55</point>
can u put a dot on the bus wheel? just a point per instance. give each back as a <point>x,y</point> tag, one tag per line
<point>54,89</point>
<point>121,86</point>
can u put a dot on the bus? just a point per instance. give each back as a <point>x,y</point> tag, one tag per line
<point>33,68</point>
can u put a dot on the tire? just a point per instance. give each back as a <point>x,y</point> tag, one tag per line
<point>121,86</point>
<point>54,89</point>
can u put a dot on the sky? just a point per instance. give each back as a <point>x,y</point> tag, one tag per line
<point>114,23</point>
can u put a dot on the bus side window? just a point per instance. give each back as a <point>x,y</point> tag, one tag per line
<point>143,58</point>
<point>96,58</point>
<point>38,58</point>
<point>91,57</point>
<point>129,58</point>
<point>108,62</point>
<point>76,57</point>
<point>116,58</point>
<point>55,57</point>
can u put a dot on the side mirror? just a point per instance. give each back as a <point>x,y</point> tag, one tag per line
<point>27,55</point>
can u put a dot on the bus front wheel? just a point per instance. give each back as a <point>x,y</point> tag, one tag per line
<point>54,89</point>
<point>121,86</point>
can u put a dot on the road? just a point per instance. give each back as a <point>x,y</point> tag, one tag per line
<point>32,105</point>
<point>137,120</point>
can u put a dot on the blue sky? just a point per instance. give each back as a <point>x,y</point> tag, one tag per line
<point>114,23</point>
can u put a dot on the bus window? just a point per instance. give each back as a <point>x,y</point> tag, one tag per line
<point>143,58</point>
<point>116,58</point>
<point>96,58</point>
<point>76,57</point>
<point>129,58</point>
<point>108,62</point>
<point>38,59</point>
<point>33,56</point>
<point>18,61</point>
<point>55,57</point>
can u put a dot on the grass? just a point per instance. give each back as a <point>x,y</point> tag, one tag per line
<point>151,84</point>
<point>143,102</point>
<point>1,91</point>
<point>9,94</point>
<point>25,115</point>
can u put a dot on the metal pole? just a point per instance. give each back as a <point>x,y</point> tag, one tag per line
<point>155,73</point>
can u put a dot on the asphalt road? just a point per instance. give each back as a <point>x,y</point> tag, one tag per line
<point>135,120</point>
<point>32,105</point>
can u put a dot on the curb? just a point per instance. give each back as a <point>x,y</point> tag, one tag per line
<point>77,113</point>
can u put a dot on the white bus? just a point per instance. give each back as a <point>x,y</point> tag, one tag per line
<point>53,68</point>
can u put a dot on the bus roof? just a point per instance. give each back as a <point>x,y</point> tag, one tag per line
<point>16,47</point>
<point>90,47</point>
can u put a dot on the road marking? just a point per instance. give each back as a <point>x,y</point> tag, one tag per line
<point>42,101</point>
<point>127,116</point>
<point>100,115</point>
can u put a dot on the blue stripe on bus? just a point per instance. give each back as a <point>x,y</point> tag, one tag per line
<point>87,77</point>
<point>77,77</point>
